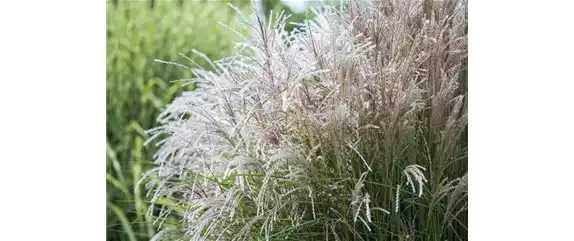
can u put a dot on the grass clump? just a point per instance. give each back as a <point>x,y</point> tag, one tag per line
<point>351,127</point>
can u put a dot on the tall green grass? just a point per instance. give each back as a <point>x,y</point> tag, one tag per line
<point>138,88</point>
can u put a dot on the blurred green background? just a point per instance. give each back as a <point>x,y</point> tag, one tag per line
<point>137,87</point>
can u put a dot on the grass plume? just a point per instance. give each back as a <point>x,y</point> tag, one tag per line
<point>351,127</point>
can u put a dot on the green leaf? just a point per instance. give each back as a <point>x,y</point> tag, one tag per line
<point>115,163</point>
<point>117,184</point>
<point>124,221</point>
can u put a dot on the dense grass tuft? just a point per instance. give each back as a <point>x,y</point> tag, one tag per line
<point>351,128</point>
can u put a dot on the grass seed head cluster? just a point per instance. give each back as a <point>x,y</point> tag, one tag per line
<point>351,127</point>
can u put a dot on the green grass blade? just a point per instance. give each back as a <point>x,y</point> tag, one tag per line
<point>124,220</point>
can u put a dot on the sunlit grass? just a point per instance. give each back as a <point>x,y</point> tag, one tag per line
<point>351,128</point>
